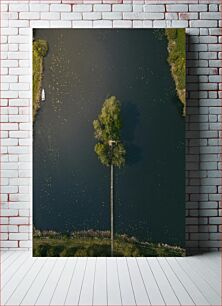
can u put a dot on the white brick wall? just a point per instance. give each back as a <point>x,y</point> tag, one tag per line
<point>203,121</point>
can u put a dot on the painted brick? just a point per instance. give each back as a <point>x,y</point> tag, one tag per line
<point>122,7</point>
<point>60,7</point>
<point>4,220</point>
<point>112,15</point>
<point>18,23</point>
<point>9,212</point>
<point>180,23</point>
<point>171,16</point>
<point>9,126</point>
<point>207,15</point>
<point>39,7</point>
<point>94,15</point>
<point>39,24</point>
<point>25,244</point>
<point>177,8</point>
<point>136,15</point>
<point>9,63</point>
<point>19,118</point>
<point>70,16</point>
<point>18,7</point>
<point>18,236</point>
<point>122,23</point>
<point>138,23</point>
<point>29,15</point>
<point>197,7</point>
<point>215,220</point>
<point>203,23</point>
<point>9,244</point>
<point>50,16</point>
<point>24,229</point>
<point>162,23</point>
<point>187,16</point>
<point>102,23</point>
<point>82,24</point>
<point>8,228</point>
<point>213,7</point>
<point>154,8</point>
<point>102,7</point>
<point>61,24</point>
<point>82,8</point>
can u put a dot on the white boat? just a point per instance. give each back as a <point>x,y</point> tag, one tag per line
<point>43,95</point>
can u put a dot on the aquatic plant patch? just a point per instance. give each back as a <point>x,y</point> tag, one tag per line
<point>109,142</point>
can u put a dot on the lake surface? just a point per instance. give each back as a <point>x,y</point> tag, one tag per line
<point>71,187</point>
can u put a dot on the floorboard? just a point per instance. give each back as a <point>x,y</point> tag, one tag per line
<point>188,282</point>
<point>61,291</point>
<point>180,291</point>
<point>127,292</point>
<point>47,291</point>
<point>27,280</point>
<point>100,283</point>
<point>166,288</point>
<point>208,292</point>
<point>153,290</point>
<point>75,286</point>
<point>113,285</point>
<point>140,291</point>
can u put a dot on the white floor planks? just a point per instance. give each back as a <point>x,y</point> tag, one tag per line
<point>206,273</point>
<point>100,283</point>
<point>154,293</point>
<point>178,287</point>
<point>165,286</point>
<point>113,284</point>
<point>86,293</point>
<point>140,291</point>
<point>188,282</point>
<point>35,289</point>
<point>61,290</point>
<point>75,285</point>
<point>110,281</point>
<point>127,292</point>
<point>208,292</point>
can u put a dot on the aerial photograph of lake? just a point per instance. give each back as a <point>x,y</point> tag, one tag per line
<point>109,142</point>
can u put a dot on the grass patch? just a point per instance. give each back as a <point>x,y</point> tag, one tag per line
<point>177,61</point>
<point>40,49</point>
<point>96,243</point>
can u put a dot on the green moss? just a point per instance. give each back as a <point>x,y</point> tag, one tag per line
<point>40,49</point>
<point>97,244</point>
<point>177,61</point>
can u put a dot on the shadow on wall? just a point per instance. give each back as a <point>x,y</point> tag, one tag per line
<point>194,196</point>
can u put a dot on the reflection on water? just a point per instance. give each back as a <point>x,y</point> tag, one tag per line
<point>71,187</point>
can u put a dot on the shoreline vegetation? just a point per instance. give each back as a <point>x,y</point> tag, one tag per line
<point>177,60</point>
<point>40,49</point>
<point>96,243</point>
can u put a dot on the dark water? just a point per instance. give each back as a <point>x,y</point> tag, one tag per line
<point>71,187</point>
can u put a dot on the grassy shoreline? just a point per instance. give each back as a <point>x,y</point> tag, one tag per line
<point>96,243</point>
<point>177,60</point>
<point>40,49</point>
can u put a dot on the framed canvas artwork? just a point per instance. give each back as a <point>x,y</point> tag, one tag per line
<point>109,142</point>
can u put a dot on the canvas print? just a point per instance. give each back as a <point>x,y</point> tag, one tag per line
<point>109,142</point>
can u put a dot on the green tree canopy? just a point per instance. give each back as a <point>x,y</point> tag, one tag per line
<point>107,128</point>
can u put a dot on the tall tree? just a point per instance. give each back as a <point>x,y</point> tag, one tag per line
<point>109,148</point>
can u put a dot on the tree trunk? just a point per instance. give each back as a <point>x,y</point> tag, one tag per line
<point>111,208</point>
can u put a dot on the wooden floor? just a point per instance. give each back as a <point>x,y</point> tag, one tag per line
<point>110,281</point>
